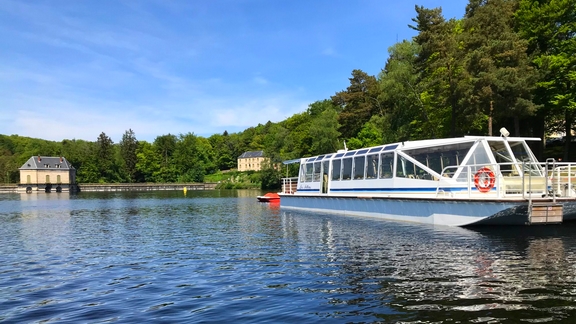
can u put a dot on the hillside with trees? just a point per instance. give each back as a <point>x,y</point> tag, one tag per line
<point>506,63</point>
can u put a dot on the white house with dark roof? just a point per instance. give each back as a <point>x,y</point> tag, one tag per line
<point>251,160</point>
<point>47,173</point>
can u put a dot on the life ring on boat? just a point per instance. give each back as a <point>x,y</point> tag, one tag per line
<point>484,179</point>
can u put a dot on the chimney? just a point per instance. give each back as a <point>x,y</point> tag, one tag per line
<point>39,159</point>
<point>61,160</point>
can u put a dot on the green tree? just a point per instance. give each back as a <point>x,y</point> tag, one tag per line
<point>128,148</point>
<point>270,177</point>
<point>498,65</point>
<point>370,135</point>
<point>357,103</point>
<point>323,128</point>
<point>105,158</point>
<point>439,64</point>
<point>222,150</point>
<point>408,113</point>
<point>549,27</point>
<point>149,162</point>
<point>165,146</point>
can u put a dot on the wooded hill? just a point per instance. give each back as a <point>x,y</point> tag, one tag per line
<point>509,61</point>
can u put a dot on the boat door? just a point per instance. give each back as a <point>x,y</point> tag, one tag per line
<point>324,181</point>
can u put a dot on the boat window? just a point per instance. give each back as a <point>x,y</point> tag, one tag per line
<point>320,158</point>
<point>346,169</point>
<point>328,156</point>
<point>316,171</point>
<point>303,172</point>
<point>372,166</point>
<point>375,149</point>
<point>339,155</point>
<point>390,147</point>
<point>308,171</point>
<point>325,166</point>
<point>359,167</point>
<point>522,154</point>
<point>350,153</point>
<point>437,158</point>
<point>407,169</point>
<point>478,159</point>
<point>432,160</point>
<point>386,165</point>
<point>503,158</point>
<point>362,151</point>
<point>336,165</point>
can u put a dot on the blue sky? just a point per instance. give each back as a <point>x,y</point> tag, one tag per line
<point>74,69</point>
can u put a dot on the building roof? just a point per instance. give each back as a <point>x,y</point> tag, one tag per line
<point>251,154</point>
<point>46,162</point>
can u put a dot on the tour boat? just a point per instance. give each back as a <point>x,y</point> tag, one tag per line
<point>470,180</point>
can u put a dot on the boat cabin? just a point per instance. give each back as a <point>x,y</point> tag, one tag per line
<point>470,165</point>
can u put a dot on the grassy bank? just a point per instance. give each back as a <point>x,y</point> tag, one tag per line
<point>235,180</point>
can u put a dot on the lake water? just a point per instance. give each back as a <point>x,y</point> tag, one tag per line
<point>220,256</point>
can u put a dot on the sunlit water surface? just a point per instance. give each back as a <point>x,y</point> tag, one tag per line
<point>220,256</point>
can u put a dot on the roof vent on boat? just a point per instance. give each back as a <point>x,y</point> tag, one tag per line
<point>344,150</point>
<point>504,132</point>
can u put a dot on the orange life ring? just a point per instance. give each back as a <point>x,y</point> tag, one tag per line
<point>484,179</point>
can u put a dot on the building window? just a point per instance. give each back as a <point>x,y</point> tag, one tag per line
<point>47,178</point>
<point>58,179</point>
<point>28,180</point>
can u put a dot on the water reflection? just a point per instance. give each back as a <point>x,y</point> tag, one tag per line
<point>222,256</point>
<point>440,271</point>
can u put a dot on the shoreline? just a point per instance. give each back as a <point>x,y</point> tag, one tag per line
<point>93,187</point>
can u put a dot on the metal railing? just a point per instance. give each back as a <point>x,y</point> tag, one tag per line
<point>536,180</point>
<point>289,185</point>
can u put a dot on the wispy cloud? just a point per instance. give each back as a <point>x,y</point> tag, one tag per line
<point>329,52</point>
<point>75,69</point>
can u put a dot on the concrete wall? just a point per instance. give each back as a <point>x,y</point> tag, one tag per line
<point>146,186</point>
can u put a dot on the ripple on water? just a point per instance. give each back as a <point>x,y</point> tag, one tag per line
<point>221,257</point>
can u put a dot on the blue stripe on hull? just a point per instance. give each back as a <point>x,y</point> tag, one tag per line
<point>441,212</point>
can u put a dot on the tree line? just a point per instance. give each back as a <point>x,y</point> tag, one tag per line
<point>506,63</point>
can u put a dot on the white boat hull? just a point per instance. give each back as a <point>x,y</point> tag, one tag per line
<point>450,212</point>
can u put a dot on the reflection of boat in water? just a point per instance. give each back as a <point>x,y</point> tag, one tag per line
<point>471,180</point>
<point>269,197</point>
<point>436,272</point>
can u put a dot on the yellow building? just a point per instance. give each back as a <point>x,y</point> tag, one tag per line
<point>46,173</point>
<point>251,160</point>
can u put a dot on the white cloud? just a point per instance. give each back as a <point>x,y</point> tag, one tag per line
<point>76,69</point>
<point>329,52</point>
<point>260,80</point>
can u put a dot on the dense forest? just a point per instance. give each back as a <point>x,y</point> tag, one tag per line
<point>506,63</point>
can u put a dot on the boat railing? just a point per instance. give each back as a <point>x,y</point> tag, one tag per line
<point>562,178</point>
<point>289,185</point>
<point>536,180</point>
